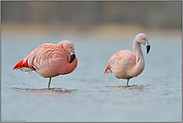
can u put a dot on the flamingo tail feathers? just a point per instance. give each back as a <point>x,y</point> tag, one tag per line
<point>106,70</point>
<point>20,65</point>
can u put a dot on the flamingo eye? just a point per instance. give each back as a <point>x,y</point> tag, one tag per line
<point>72,48</point>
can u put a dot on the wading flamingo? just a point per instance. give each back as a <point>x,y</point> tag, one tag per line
<point>126,64</point>
<point>50,60</point>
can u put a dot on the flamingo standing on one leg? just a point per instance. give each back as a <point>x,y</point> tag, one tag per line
<point>126,64</point>
<point>50,60</point>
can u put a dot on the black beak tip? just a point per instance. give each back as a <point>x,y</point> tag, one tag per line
<point>148,48</point>
<point>72,58</point>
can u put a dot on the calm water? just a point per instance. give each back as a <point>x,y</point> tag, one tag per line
<point>87,94</point>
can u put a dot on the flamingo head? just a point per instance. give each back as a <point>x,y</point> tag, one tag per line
<point>69,47</point>
<point>142,38</point>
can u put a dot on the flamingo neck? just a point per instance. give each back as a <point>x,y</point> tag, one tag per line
<point>138,52</point>
<point>140,62</point>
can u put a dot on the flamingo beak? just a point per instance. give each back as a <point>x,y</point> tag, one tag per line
<point>72,58</point>
<point>147,47</point>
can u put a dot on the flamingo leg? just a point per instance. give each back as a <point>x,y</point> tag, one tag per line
<point>49,83</point>
<point>127,82</point>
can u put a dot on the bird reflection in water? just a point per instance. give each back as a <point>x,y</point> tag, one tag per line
<point>46,90</point>
<point>131,88</point>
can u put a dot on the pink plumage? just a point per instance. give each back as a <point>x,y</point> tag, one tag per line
<point>126,64</point>
<point>50,60</point>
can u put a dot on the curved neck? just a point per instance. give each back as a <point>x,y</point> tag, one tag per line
<point>138,51</point>
<point>140,62</point>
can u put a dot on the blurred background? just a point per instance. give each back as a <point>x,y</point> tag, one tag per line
<point>98,30</point>
<point>102,18</point>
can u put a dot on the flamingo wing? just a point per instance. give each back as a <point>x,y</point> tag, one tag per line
<point>120,63</point>
<point>111,62</point>
<point>123,58</point>
<point>41,57</point>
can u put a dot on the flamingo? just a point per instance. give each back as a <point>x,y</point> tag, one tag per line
<point>126,64</point>
<point>50,60</point>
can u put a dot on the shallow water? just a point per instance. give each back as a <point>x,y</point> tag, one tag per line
<point>87,94</point>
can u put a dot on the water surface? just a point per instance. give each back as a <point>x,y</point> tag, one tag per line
<point>87,94</point>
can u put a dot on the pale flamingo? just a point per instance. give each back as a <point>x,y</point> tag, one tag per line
<point>126,64</point>
<point>50,60</point>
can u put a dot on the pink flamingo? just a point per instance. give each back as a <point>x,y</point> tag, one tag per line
<point>126,64</point>
<point>50,60</point>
